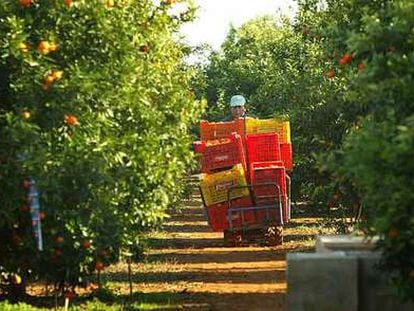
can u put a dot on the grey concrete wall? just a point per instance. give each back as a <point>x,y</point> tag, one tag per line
<point>316,284</point>
<point>337,280</point>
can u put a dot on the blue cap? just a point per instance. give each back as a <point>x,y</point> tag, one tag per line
<point>237,100</point>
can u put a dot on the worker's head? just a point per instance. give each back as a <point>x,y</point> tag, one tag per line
<point>237,106</point>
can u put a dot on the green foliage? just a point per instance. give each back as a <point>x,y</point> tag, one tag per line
<point>375,156</point>
<point>343,73</point>
<point>95,106</point>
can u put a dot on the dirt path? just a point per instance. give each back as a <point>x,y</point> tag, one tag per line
<point>190,266</point>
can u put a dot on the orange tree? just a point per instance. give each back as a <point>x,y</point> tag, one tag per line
<point>343,73</point>
<point>281,68</point>
<point>95,107</point>
<point>372,48</point>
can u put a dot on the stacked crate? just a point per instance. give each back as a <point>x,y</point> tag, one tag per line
<point>223,165</point>
<point>238,153</point>
<point>269,154</point>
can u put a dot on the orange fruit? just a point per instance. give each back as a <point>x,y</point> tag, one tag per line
<point>68,3</point>
<point>59,239</point>
<point>16,279</point>
<point>25,184</point>
<point>70,119</point>
<point>43,47</point>
<point>86,244</point>
<point>49,79</point>
<point>168,2</point>
<point>109,4</point>
<point>330,74</point>
<point>26,115</point>
<point>99,266</point>
<point>57,74</point>
<point>361,66</point>
<point>347,58</point>
<point>25,3</point>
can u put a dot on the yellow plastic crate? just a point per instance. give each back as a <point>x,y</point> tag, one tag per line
<point>282,128</point>
<point>214,186</point>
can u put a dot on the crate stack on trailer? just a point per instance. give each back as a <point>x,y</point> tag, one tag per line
<point>250,156</point>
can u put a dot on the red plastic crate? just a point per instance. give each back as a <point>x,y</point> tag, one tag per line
<point>273,215</point>
<point>286,155</point>
<point>218,214</point>
<point>222,153</point>
<point>268,172</point>
<point>215,130</point>
<point>262,147</point>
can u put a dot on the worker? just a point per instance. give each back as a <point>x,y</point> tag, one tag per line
<point>237,108</point>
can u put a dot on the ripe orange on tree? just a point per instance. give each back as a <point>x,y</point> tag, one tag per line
<point>330,74</point>
<point>346,59</point>
<point>57,74</point>
<point>16,279</point>
<point>26,115</point>
<point>25,3</point>
<point>59,239</point>
<point>69,3</point>
<point>99,266</point>
<point>70,119</point>
<point>109,4</point>
<point>86,244</point>
<point>43,47</point>
<point>25,184</point>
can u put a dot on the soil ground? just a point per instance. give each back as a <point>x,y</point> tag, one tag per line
<point>188,267</point>
<point>190,264</point>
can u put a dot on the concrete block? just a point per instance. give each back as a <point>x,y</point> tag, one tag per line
<point>346,243</point>
<point>322,282</point>
<point>374,291</point>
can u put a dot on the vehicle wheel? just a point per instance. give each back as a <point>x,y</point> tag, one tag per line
<point>232,238</point>
<point>274,235</point>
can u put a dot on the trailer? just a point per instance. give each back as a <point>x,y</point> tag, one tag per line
<point>245,184</point>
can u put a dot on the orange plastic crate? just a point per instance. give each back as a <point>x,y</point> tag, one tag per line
<point>215,130</point>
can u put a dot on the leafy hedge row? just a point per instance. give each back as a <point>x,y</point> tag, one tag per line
<point>343,73</point>
<point>95,108</point>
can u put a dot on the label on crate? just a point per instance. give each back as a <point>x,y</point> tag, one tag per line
<point>221,157</point>
<point>224,186</point>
